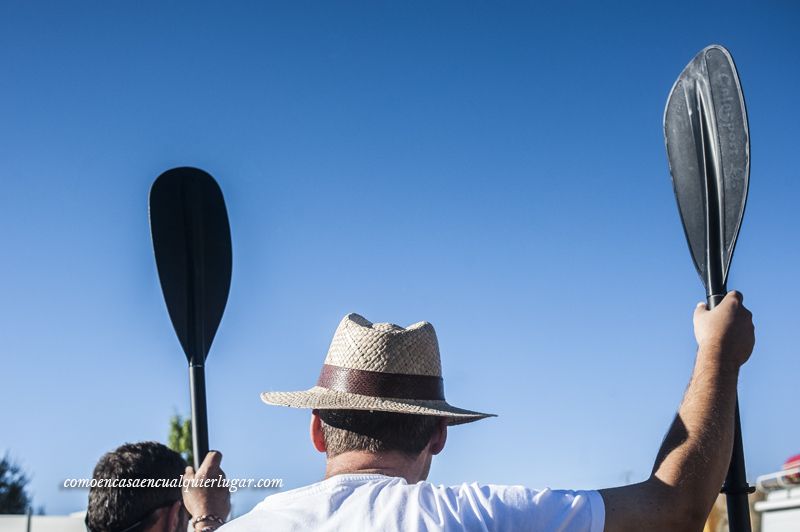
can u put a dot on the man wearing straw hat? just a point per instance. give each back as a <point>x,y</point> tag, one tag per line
<point>379,414</point>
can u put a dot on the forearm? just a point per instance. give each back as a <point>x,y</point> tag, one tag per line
<point>694,457</point>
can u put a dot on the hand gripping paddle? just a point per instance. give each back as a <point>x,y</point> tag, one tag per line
<point>708,146</point>
<point>192,244</point>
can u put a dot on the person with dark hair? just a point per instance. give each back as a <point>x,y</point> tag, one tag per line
<point>146,487</point>
<point>379,414</point>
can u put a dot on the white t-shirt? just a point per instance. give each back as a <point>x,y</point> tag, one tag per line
<point>377,502</point>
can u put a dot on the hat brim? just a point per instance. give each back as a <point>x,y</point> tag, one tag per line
<point>325,399</point>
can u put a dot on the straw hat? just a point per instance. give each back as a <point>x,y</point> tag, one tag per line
<point>382,367</point>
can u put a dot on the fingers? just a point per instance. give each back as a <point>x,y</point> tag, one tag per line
<point>188,472</point>
<point>733,299</point>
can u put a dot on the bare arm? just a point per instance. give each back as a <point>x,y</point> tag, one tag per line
<point>694,457</point>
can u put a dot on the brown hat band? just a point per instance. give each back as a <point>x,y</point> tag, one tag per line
<point>377,384</point>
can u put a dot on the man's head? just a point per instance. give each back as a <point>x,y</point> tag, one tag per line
<point>130,509</point>
<point>379,405</point>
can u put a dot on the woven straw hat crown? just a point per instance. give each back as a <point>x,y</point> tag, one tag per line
<point>385,347</point>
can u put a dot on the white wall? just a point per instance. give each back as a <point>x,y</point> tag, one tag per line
<point>42,523</point>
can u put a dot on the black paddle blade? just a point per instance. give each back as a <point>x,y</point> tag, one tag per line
<point>192,243</point>
<point>708,146</point>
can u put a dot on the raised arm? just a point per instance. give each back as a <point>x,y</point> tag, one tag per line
<point>692,462</point>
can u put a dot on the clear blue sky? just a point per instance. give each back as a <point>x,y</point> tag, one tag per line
<point>497,169</point>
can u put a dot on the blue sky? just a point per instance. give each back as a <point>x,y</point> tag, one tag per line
<point>497,169</point>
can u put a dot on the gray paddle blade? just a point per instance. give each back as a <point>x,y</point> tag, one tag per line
<point>708,146</point>
<point>192,244</point>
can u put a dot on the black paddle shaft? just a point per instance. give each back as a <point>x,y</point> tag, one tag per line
<point>197,390</point>
<point>708,147</point>
<point>192,244</point>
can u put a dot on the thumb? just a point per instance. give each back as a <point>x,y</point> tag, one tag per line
<point>212,460</point>
<point>700,309</point>
<point>188,472</point>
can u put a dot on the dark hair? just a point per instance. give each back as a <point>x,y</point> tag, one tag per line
<point>372,431</point>
<point>112,509</point>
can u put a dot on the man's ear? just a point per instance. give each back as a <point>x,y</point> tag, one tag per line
<point>173,516</point>
<point>439,437</point>
<point>317,436</point>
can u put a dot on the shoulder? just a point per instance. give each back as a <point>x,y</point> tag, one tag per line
<point>521,508</point>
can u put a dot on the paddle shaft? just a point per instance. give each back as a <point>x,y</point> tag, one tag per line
<point>197,388</point>
<point>735,487</point>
